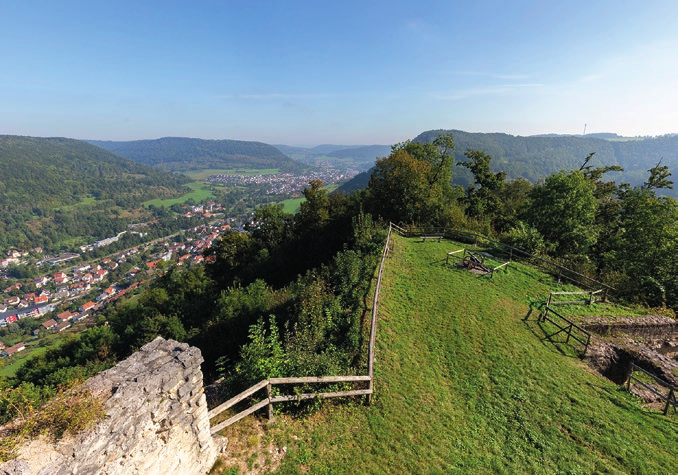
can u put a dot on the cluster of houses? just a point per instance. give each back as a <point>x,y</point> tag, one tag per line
<point>51,290</point>
<point>204,211</point>
<point>285,183</point>
<point>43,300</point>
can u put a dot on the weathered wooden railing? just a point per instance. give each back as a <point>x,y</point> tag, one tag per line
<point>670,398</point>
<point>269,400</point>
<point>591,299</point>
<point>568,327</point>
<point>267,384</point>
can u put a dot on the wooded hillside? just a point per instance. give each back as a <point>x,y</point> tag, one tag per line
<point>40,178</point>
<point>536,157</point>
<point>182,154</point>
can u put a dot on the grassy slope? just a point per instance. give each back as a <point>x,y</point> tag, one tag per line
<point>198,194</point>
<point>464,384</point>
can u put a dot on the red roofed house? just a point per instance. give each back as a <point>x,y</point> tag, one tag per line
<point>49,324</point>
<point>15,349</point>
<point>66,315</point>
<point>41,299</point>
<point>87,307</point>
<point>63,325</point>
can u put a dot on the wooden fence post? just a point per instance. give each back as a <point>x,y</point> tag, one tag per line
<point>590,297</point>
<point>605,296</point>
<point>569,332</point>
<point>628,384</point>
<point>270,404</point>
<point>668,401</point>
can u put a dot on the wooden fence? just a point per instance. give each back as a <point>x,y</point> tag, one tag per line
<point>670,398</point>
<point>267,384</point>
<point>513,253</point>
<point>569,327</point>
<point>591,297</point>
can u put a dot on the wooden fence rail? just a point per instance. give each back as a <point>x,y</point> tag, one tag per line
<point>568,327</point>
<point>588,301</point>
<point>670,398</point>
<point>269,400</point>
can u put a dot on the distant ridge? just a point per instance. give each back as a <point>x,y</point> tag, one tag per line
<point>360,157</point>
<point>180,154</point>
<point>536,157</point>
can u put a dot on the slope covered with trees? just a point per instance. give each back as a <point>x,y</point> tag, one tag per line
<point>536,157</point>
<point>47,183</point>
<point>182,154</point>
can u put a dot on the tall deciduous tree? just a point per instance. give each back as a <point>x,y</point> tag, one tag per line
<point>563,210</point>
<point>413,184</point>
<point>315,211</point>
<point>646,248</point>
<point>481,197</point>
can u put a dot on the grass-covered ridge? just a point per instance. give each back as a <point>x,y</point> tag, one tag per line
<point>465,384</point>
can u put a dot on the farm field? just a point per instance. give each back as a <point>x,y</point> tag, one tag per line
<point>292,205</point>
<point>468,382</point>
<point>198,194</point>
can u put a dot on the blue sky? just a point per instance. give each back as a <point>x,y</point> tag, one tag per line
<point>349,72</point>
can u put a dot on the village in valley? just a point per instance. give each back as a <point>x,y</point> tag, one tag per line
<point>72,289</point>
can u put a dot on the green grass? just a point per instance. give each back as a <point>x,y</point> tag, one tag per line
<point>198,194</point>
<point>35,347</point>
<point>199,175</point>
<point>292,205</point>
<point>83,203</point>
<point>14,362</point>
<point>466,384</point>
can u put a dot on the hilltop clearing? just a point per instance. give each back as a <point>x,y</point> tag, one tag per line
<point>465,384</point>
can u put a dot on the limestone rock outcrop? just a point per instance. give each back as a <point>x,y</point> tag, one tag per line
<point>156,420</point>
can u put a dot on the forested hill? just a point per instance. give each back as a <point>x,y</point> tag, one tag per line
<point>179,154</point>
<point>39,176</point>
<point>360,157</point>
<point>367,153</point>
<point>537,157</point>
